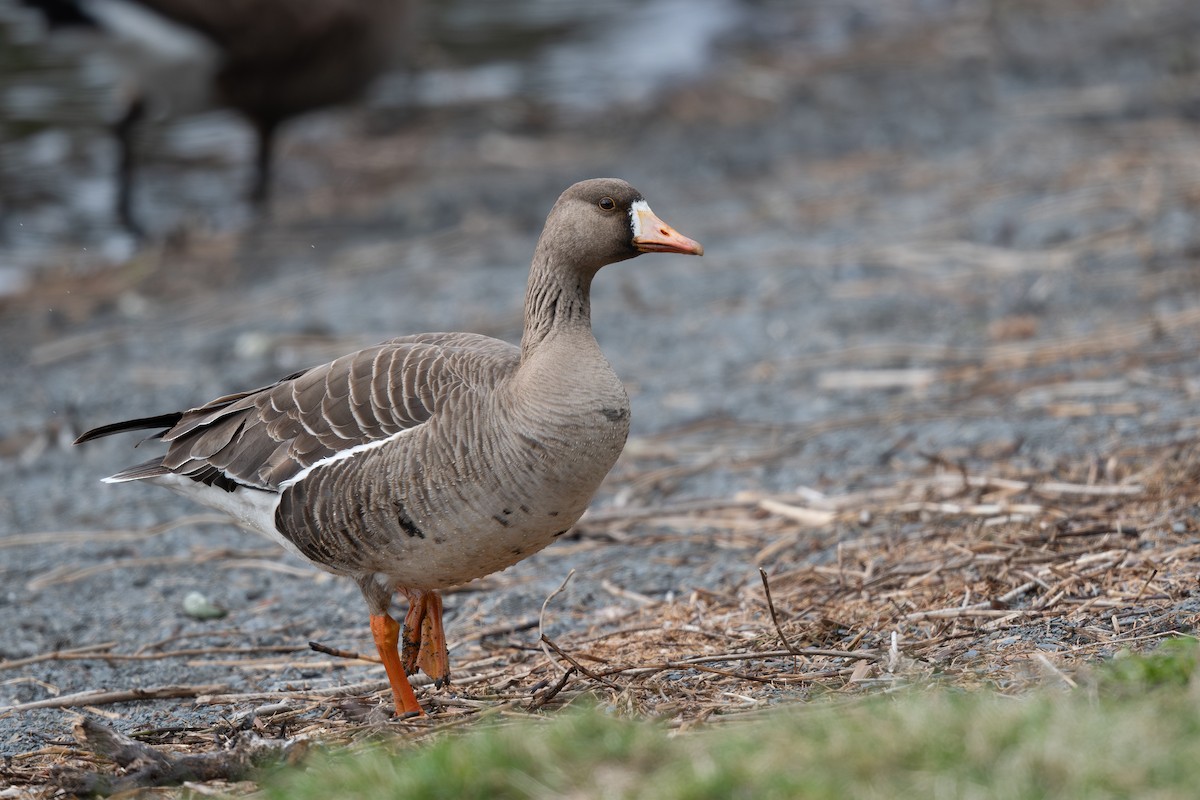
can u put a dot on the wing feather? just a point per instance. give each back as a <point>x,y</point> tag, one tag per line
<point>264,437</point>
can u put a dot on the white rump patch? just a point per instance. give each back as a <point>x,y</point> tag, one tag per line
<point>251,508</point>
<point>635,216</point>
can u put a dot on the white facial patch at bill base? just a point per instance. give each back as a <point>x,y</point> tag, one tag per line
<point>636,210</point>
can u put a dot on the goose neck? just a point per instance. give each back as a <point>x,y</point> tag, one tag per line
<point>557,303</point>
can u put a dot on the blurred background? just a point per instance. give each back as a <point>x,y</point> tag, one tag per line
<point>940,235</point>
<point>70,70</point>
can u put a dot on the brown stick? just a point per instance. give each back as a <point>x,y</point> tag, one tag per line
<point>1142,591</point>
<point>87,654</point>
<point>729,674</point>
<point>100,697</point>
<point>597,678</point>
<point>689,507</point>
<point>762,573</point>
<point>687,663</point>
<point>552,692</point>
<point>542,617</point>
<point>74,652</point>
<point>149,767</point>
<point>350,654</point>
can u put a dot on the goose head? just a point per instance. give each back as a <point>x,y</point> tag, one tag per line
<point>603,221</point>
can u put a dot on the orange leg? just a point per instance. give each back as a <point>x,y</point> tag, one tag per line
<point>424,637</point>
<point>387,636</point>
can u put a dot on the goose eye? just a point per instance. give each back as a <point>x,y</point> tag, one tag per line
<point>607,203</point>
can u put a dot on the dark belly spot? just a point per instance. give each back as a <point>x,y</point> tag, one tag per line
<point>502,520</point>
<point>524,509</point>
<point>615,414</point>
<point>407,524</point>
<point>560,533</point>
<point>553,514</point>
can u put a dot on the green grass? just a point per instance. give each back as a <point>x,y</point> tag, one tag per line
<point>1134,731</point>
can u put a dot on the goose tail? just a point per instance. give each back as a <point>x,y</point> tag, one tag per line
<point>164,421</point>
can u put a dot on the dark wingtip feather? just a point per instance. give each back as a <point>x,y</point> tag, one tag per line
<point>164,421</point>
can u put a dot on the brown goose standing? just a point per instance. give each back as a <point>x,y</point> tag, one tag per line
<point>270,60</point>
<point>430,460</point>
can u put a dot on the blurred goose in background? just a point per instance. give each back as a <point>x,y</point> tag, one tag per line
<point>270,60</point>
<point>430,460</point>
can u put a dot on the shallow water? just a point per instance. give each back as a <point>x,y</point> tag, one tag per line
<point>575,55</point>
<point>519,62</point>
<point>58,92</point>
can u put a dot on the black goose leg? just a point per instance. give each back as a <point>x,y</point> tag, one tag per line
<point>123,130</point>
<point>260,191</point>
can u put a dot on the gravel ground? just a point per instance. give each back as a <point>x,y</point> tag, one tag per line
<point>890,202</point>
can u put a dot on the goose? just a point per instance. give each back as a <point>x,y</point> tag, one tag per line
<point>430,460</point>
<point>269,60</point>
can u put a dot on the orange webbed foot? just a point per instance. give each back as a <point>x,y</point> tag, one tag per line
<point>425,637</point>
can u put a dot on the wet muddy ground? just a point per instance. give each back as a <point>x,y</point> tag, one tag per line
<point>950,236</point>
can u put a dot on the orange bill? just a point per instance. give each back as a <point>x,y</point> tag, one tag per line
<point>652,235</point>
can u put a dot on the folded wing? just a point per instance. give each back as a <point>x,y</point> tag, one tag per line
<point>260,439</point>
